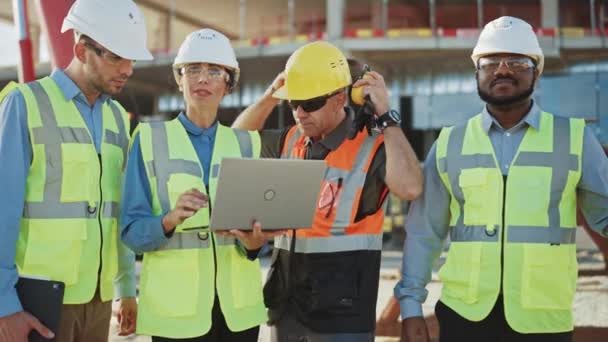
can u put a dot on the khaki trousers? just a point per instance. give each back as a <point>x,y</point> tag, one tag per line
<point>89,322</point>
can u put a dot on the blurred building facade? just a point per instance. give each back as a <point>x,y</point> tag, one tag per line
<point>421,46</point>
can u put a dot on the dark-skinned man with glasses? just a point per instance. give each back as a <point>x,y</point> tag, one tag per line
<point>504,186</point>
<point>59,211</point>
<point>323,282</point>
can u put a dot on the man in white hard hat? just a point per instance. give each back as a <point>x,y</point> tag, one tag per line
<point>197,285</point>
<point>504,186</point>
<point>59,210</point>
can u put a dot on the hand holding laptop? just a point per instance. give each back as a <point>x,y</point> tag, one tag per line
<point>17,327</point>
<point>255,238</point>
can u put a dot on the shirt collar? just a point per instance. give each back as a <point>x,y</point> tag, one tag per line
<point>532,118</point>
<point>193,129</point>
<point>69,89</point>
<point>333,140</point>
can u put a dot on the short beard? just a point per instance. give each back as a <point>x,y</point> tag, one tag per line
<point>505,101</point>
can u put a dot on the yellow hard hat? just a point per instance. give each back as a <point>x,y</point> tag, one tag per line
<point>314,70</point>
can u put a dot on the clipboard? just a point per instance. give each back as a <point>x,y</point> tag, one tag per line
<point>43,299</point>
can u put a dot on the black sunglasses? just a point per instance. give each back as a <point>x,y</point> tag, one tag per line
<point>311,105</point>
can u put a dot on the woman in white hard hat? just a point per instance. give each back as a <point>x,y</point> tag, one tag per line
<point>195,285</point>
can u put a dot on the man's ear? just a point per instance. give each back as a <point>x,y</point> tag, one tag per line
<point>80,52</point>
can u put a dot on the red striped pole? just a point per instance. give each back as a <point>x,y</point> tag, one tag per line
<point>20,17</point>
<point>51,14</point>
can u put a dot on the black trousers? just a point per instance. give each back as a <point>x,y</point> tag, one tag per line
<point>219,331</point>
<point>494,328</point>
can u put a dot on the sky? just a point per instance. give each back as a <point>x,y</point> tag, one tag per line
<point>9,46</point>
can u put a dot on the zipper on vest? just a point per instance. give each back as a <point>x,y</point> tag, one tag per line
<point>502,232</point>
<point>212,238</point>
<point>99,211</point>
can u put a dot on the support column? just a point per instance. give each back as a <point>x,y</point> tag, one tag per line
<point>26,63</point>
<point>51,14</point>
<point>242,18</point>
<point>291,19</point>
<point>549,13</point>
<point>480,14</point>
<point>334,17</point>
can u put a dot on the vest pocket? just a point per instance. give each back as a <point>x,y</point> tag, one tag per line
<point>460,273</point>
<point>548,276</point>
<point>246,282</point>
<point>55,251</point>
<point>78,166</point>
<point>171,284</point>
<point>478,196</point>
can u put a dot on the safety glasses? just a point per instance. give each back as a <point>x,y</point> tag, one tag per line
<point>105,54</point>
<point>515,64</point>
<point>311,105</point>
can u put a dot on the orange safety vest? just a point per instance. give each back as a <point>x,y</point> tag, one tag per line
<point>332,283</point>
<point>342,185</point>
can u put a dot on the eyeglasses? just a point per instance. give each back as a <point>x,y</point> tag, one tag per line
<point>311,105</point>
<point>515,64</point>
<point>108,56</point>
<point>213,73</point>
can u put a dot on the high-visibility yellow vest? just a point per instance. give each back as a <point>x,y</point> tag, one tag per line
<point>527,232</point>
<point>179,281</point>
<point>69,229</point>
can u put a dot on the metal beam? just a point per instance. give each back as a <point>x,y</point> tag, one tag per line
<point>184,17</point>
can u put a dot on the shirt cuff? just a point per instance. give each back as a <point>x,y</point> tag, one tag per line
<point>410,308</point>
<point>125,287</point>
<point>9,303</point>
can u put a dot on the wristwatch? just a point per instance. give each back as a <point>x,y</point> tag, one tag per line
<point>389,119</point>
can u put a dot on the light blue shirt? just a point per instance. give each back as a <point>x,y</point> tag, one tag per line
<point>427,224</point>
<point>142,231</point>
<point>16,157</point>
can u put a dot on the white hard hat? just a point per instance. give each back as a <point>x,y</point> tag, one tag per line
<point>207,46</point>
<point>509,35</point>
<point>117,25</point>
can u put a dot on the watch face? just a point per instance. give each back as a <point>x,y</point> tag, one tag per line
<point>395,116</point>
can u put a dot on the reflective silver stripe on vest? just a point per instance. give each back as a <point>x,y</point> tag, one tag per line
<point>52,136</point>
<point>196,240</point>
<point>560,161</point>
<point>110,209</point>
<point>244,143</point>
<point>551,235</point>
<point>192,240</point>
<point>224,240</point>
<point>353,181</point>
<point>455,161</point>
<point>515,234</point>
<point>473,234</point>
<point>119,139</point>
<point>341,243</point>
<point>162,167</point>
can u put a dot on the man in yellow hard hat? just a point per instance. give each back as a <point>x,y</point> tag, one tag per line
<point>63,144</point>
<point>323,281</point>
<point>504,186</point>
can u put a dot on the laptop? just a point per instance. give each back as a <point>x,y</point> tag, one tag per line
<point>280,193</point>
